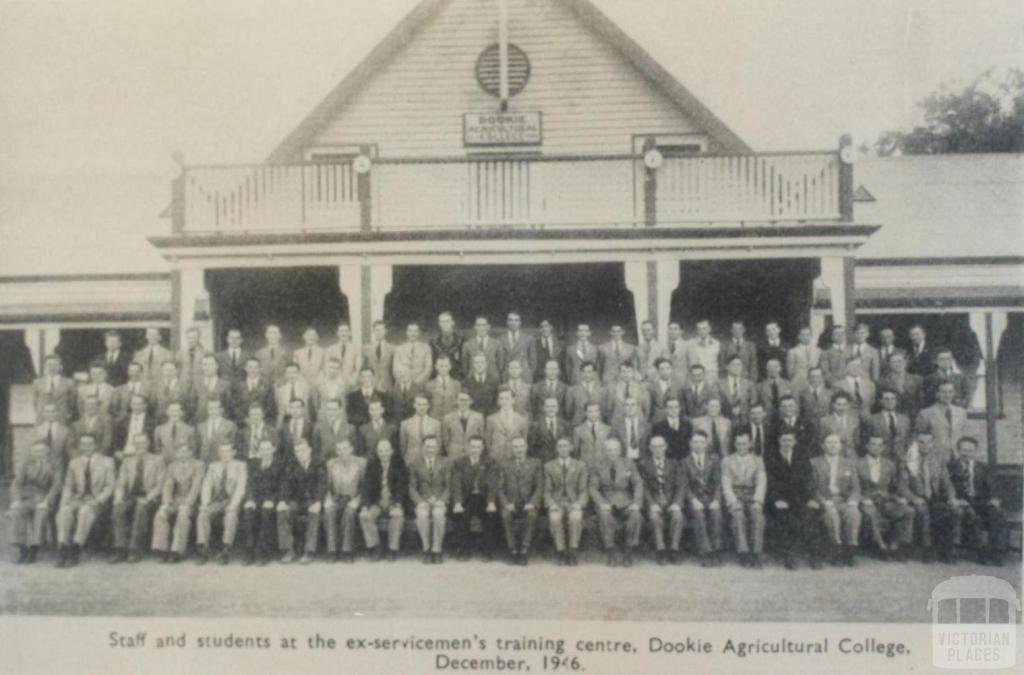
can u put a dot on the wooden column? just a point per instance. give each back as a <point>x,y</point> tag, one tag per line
<point>981,323</point>
<point>365,287</point>
<point>638,283</point>
<point>41,341</point>
<point>837,274</point>
<point>667,279</point>
<point>190,307</point>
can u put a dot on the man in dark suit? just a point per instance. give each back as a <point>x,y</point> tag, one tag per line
<point>115,358</point>
<point>892,426</point>
<point>789,490</point>
<point>921,357</point>
<point>384,490</point>
<point>514,345</point>
<point>264,473</point>
<point>231,363</point>
<point>376,429</point>
<point>357,403</point>
<point>253,388</point>
<point>771,348</point>
<point>544,348</point>
<point>296,427</point>
<point>403,397</point>
<point>675,430</point>
<point>664,487</point>
<point>274,357</point>
<point>548,384</point>
<point>208,386</point>
<point>475,495</point>
<point>255,431</point>
<point>945,371</point>
<point>704,490</point>
<point>978,512</point>
<point>481,385</point>
<point>520,489</point>
<point>303,488</point>
<point>791,420</point>
<point>925,484</point>
<point>662,386</point>
<point>448,343</point>
<point>695,394</point>
<point>546,430</point>
<point>882,506</point>
<point>482,343</point>
<point>739,346</point>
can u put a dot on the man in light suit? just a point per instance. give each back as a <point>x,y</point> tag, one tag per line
<point>483,343</point>
<point>515,346</point>
<point>520,489</point>
<point>520,389</point>
<point>836,496</point>
<point>332,428</point>
<point>648,351</point>
<point>833,359</point>
<point>137,492</point>
<point>293,388</point>
<point>771,347</point>
<point>153,355</point>
<point>944,420</point>
<point>628,386</point>
<point>220,497</point>
<point>882,506</point>
<point>892,426</point>
<point>413,357</point>
<point>349,357</point>
<point>34,492</point>
<point>416,429</point>
<point>172,433</point>
<point>871,363</point>
<point>97,386</point>
<point>54,388</point>
<point>816,399</point>
<point>588,436</point>
<point>57,435</point>
<point>274,357</point>
<point>134,385</point>
<point>377,429</point>
<point>170,389</point>
<point>190,357</point>
<point>925,484</point>
<point>385,487</point>
<point>208,386</point>
<point>617,493</point>
<point>801,358</point>
<point>345,472</point>
<point>96,423</point>
<point>231,362</point>
<point>448,343</point>
<point>443,390</point>
<point>380,354</point>
<point>565,496</point>
<point>632,430</point>
<point>716,427</point>
<point>546,386</point>
<point>843,422</point>
<point>909,387</point>
<point>546,430</point>
<point>661,387</point>
<point>430,482</point>
<point>310,356</point>
<point>331,385</point>
<point>214,432</point>
<point>115,358</point>
<point>459,426</point>
<point>613,354</point>
<point>860,388</point>
<point>704,350</point>
<point>773,388</point>
<point>739,346</point>
<point>474,494</point>
<point>503,426</point>
<point>544,348</point>
<point>697,391</point>
<point>88,488</point>
<point>253,388</point>
<point>182,482</point>
<point>587,390</point>
<point>580,352</point>
<point>744,484</point>
<point>739,392</point>
<point>664,486</point>
<point>675,351</point>
<point>704,490</point>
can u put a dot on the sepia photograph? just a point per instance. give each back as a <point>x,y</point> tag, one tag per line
<point>578,327</point>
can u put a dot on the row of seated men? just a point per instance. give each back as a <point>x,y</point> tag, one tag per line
<point>816,504</point>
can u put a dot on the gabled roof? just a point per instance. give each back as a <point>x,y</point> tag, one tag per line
<point>291,147</point>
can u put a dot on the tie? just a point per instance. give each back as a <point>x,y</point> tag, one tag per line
<point>775,394</point>
<point>926,476</point>
<point>380,349</point>
<point>758,450</point>
<point>949,418</point>
<point>50,387</point>
<point>88,476</point>
<point>430,467</point>
<point>110,358</point>
<point>421,426</point>
<point>174,432</point>
<point>700,463</point>
<point>234,358</point>
<point>49,435</point>
<point>551,387</point>
<point>551,427</point>
<point>149,368</point>
<point>970,479</point>
<point>716,444</point>
<point>295,430</point>
<point>309,354</point>
<point>660,474</point>
<point>735,390</point>
<point>593,431</point>
<point>627,390</point>
<point>273,357</point>
<point>138,488</point>
<point>565,479</point>
<point>892,426</point>
<point>292,397</point>
<point>224,481</point>
<point>618,350</point>
<point>856,391</point>
<point>465,423</point>
<point>672,347</point>
<point>550,347</point>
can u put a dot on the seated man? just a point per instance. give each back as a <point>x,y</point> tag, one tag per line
<point>33,498</point>
<point>617,493</point>
<point>704,490</point>
<point>881,502</point>
<point>384,488</point>
<point>88,489</point>
<point>262,485</point>
<point>789,490</point>
<point>140,484</point>
<point>183,479</point>
<point>836,496</point>
<point>475,495</point>
<point>345,473</point>
<point>221,497</point>
<point>520,489</point>
<point>926,486</point>
<point>744,483</point>
<point>664,493</point>
<point>978,512</point>
<point>303,488</point>
<point>430,479</point>
<point>565,496</point>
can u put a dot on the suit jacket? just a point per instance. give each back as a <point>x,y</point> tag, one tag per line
<point>910,389</point>
<point>886,353</point>
<point>450,346</point>
<point>190,363</point>
<point>224,481</point>
<point>658,397</point>
<point>224,431</point>
<point>151,358</point>
<point>722,426</point>
<point>520,396</point>
<point>610,361</point>
<point>382,365</point>
<point>696,404</point>
<point>123,426</point>
<point>484,394</point>
<point>961,388</point>
<point>678,439</point>
<point>104,392</point>
<point>411,434</point>
<point>443,398</point>
<point>766,353</point>
<point>540,354</point>
<point>578,398</point>
<point>229,370</point>
<point>130,484</point>
<point>99,426</point>
<point>427,484</point>
<point>403,403</point>
<point>342,486</point>
<point>370,437</point>
<point>847,480</point>
<point>325,389</point>
<point>871,361</point>
<point>414,358</point>
<point>912,484</point>
<point>61,441</point>
<point>921,362</point>
<point>747,472</point>
<point>575,356</point>
<point>646,354</point>
<point>806,432</point>
<point>117,370</point>
<point>587,447</point>
<point>123,397</point>
<point>521,485</point>
<point>887,486</point>
<point>616,482</point>
<point>288,439</point>
<point>311,361</point>
<point>738,403</point>
<point>351,361</point>
<point>37,481</point>
<point>764,395</point>
<point>102,478</point>
<point>616,397</point>
<point>543,442</point>
<point>357,406</point>
<point>454,437</point>
<point>482,478</point>
<point>933,420</point>
<point>166,393</point>
<point>672,487</point>
<point>263,485</point>
<point>261,393</point>
<point>568,487</point>
<point>325,438</point>
<point>815,407</point>
<point>705,355</point>
<point>539,392</point>
<point>867,393</point>
<point>895,446</point>
<point>471,347</point>
<point>639,439</point>
<point>203,394</point>
<point>704,485</point>
<point>272,365</point>
<point>977,491</point>
<point>760,436</point>
<point>833,363</point>
<point>249,439</point>
<point>63,396</point>
<point>799,360</point>
<point>166,438</point>
<point>849,432</point>
<point>303,485</point>
<point>396,479</point>
<point>284,393</point>
<point>499,432</point>
<point>790,482</point>
<point>747,351</point>
<point>517,350</point>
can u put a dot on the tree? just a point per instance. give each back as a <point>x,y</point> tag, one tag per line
<point>987,116</point>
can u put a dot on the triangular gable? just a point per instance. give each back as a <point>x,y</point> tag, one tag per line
<point>290,150</point>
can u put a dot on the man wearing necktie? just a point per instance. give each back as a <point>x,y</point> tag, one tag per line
<point>797,528</point>
<point>629,386</point>
<point>57,435</point>
<point>190,358</point>
<point>774,387</point>
<point>231,361</point>
<point>859,387</point>
<point>97,386</point>
<point>546,384</point>
<point>565,496</point>
<point>756,429</point>
<point>208,386</point>
<point>892,426</point>
<point>740,347</point>
<point>716,427</point>
<point>115,358</point>
<point>413,357</point>
<point>184,478</point>
<point>545,347</point>
<point>836,500</point>
<point>443,390</point>
<point>503,426</point>
<point>927,487</point>
<point>516,346</point>
<point>664,489</point>
<point>744,484</point>
<point>174,432</point>
<point>704,491</point>
<point>801,358</point>
<point>345,474</point>
<point>274,356</point>
<point>414,431</point>
<point>303,488</point>
<point>580,352</point>
<point>704,350</point>
<point>384,490</point>
<point>153,355</point>
<point>311,357</point>
<point>978,515</point>
<point>546,430</point>
<point>34,492</point>
<point>586,391</point>
<point>871,362</point>
<point>771,347</point>
<point>614,354</point>
<point>886,512</point>
<point>95,422</point>
<point>588,437</point>
<point>220,497</point>
<point>520,489</point>
<point>137,495</point>
<point>617,493</point>
<point>944,420</point>
<point>88,489</point>
<point>844,423</point>
<point>53,388</point>
<point>293,388</point>
<point>475,495</point>
<point>430,485</point>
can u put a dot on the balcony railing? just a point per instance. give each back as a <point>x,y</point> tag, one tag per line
<point>530,192</point>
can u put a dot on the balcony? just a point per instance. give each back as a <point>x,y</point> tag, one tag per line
<point>785,189</point>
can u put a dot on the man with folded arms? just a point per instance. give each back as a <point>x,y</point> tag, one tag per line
<point>837,498</point>
<point>221,497</point>
<point>303,489</point>
<point>33,498</point>
<point>345,473</point>
<point>744,483</point>
<point>565,496</point>
<point>384,488</point>
<point>881,503</point>
<point>182,482</point>
<point>137,493</point>
<point>88,489</point>
<point>475,495</point>
<point>430,479</point>
<point>519,496</point>
<point>664,496</point>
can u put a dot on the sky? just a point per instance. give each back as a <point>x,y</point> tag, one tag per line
<point>108,90</point>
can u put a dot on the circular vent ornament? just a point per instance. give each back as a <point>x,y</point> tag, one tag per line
<point>362,164</point>
<point>488,70</point>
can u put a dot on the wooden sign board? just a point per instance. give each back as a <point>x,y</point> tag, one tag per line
<point>497,129</point>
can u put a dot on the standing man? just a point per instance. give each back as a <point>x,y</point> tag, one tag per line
<point>614,354</point>
<point>580,353</point>
<point>716,427</point>
<point>379,355</point>
<point>253,388</point>
<point>921,358</point>
<point>632,430</point>
<point>520,489</point>
<point>744,484</point>
<point>53,388</point>
<point>413,357</point>
<point>546,430</point>
<point>255,432</point>
<point>220,497</point>
<point>740,393</point>
<point>548,385</point>
<point>115,358</point>
<point>345,473</point>
<point>704,490</point>
<point>844,423</point>
<point>675,430</point>
<point>648,351</point>
<point>293,388</point>
<point>887,349</point>
<point>978,512</point>
<point>416,429</point>
<point>946,371</point>
<point>801,358</point>
<point>589,435</point>
<point>664,486</point>
<point>676,351</point>
<point>481,385</point>
<point>153,355</point>
<point>515,346</point>
<point>430,480</point>
<point>182,482</point>
<point>57,435</point>
<point>628,385</point>
<point>303,488</point>
<point>790,489</point>
<point>860,389</point>
<point>520,388</point>
<point>208,386</point>
<point>134,386</point>
<point>503,426</point>
<point>448,343</point>
<point>137,493</point>
<point>97,386</point>
<point>881,503</point>
<point>585,391</point>
<point>696,393</point>
<point>231,362</point>
<point>34,491</point>
<point>771,348</point>
<point>837,498</point>
<point>704,350</point>
<point>816,399</point>
<point>459,426</point>
<point>892,426</point>
<point>661,387</point>
<point>190,358</point>
<point>944,421</point>
<point>617,493</point>
<point>773,388</point>
<point>357,403</point>
<point>475,495</point>
<point>385,487</point>
<point>483,343</point>
<point>172,433</point>
<point>565,496</point>
<point>871,362</point>
<point>443,390</point>
<point>350,360</point>
<point>545,347</point>
<point>740,347</point>
<point>757,431</point>
<point>263,484</point>
<point>331,385</point>
<point>377,429</point>
<point>274,357</point>
<point>833,359</point>
<point>94,422</point>
<point>332,428</point>
<point>170,390</point>
<point>88,488</point>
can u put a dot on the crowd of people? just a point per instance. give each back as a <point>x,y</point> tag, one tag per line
<point>478,437</point>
